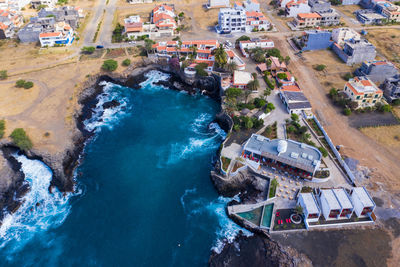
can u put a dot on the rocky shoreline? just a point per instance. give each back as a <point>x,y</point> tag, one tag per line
<point>63,165</point>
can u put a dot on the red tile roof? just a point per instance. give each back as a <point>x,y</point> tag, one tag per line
<point>50,34</point>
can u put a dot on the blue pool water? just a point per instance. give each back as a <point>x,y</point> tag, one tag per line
<point>144,196</point>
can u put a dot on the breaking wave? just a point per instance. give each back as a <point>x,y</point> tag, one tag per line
<point>108,117</point>
<point>195,206</point>
<point>153,77</point>
<point>40,209</point>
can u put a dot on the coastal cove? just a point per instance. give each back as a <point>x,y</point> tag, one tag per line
<point>143,187</point>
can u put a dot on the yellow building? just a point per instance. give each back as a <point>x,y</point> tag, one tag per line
<point>363,91</point>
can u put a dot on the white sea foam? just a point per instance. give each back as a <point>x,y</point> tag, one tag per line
<point>153,77</point>
<point>226,230</point>
<point>107,117</point>
<point>40,209</point>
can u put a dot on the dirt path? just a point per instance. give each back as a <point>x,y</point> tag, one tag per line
<point>355,144</point>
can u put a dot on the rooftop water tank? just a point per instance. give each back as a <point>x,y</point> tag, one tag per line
<point>282,146</point>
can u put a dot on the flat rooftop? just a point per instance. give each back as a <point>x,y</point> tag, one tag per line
<point>343,198</point>
<point>364,197</point>
<point>310,203</point>
<point>331,199</point>
<point>290,152</point>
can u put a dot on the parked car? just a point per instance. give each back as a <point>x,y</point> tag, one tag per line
<point>99,46</point>
<point>228,43</point>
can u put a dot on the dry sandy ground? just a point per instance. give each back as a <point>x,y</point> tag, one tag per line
<point>383,161</point>
<point>49,106</point>
<point>387,42</point>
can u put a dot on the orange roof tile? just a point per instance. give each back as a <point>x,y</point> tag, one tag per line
<point>290,88</point>
<point>308,15</point>
<point>50,34</point>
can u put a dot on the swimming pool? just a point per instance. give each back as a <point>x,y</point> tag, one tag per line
<point>267,215</point>
<point>253,216</point>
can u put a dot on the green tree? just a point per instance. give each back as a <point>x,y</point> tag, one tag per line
<point>333,92</point>
<point>236,127</point>
<point>347,111</point>
<point>231,66</point>
<point>126,62</point>
<point>117,36</point>
<point>3,74</point>
<point>110,65</point>
<point>248,124</point>
<point>287,60</point>
<point>88,49</point>
<point>396,102</point>
<point>220,56</point>
<point>242,38</point>
<point>259,56</point>
<point>148,45</point>
<point>259,102</point>
<point>385,108</point>
<point>21,139</point>
<point>267,92</point>
<point>347,76</point>
<point>294,117</point>
<point>274,52</point>
<point>282,76</point>
<point>233,92</point>
<point>270,106</point>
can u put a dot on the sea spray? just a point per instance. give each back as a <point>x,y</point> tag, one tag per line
<point>195,206</point>
<point>40,209</point>
<point>108,117</point>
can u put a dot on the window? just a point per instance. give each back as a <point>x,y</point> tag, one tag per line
<point>376,96</point>
<point>364,100</point>
<point>374,101</point>
<point>358,97</point>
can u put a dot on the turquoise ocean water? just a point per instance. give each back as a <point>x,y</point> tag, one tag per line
<point>144,196</point>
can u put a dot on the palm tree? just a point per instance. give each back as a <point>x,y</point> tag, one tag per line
<point>220,56</point>
<point>231,66</point>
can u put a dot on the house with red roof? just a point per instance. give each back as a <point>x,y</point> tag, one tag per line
<point>363,91</point>
<point>63,34</point>
<point>307,20</point>
<point>295,7</point>
<point>10,21</point>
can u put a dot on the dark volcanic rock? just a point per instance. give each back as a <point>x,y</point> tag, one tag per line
<point>250,186</point>
<point>251,251</point>
<point>111,104</point>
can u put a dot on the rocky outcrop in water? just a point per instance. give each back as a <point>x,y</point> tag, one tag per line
<point>12,185</point>
<point>250,186</point>
<point>255,251</point>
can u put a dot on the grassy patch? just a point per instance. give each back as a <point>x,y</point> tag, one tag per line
<point>271,131</point>
<point>272,188</point>
<point>237,166</point>
<point>2,128</point>
<point>225,163</point>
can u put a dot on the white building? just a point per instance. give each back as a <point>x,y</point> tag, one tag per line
<point>340,35</point>
<point>16,5</point>
<point>330,206</point>
<point>254,43</point>
<point>249,5</point>
<point>62,35</point>
<point>311,212</point>
<point>217,3</point>
<point>362,201</point>
<point>345,203</point>
<point>241,79</point>
<point>47,3</point>
<point>140,1</point>
<point>295,7</point>
<point>231,20</point>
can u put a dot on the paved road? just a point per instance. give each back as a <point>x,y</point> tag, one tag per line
<point>91,27</point>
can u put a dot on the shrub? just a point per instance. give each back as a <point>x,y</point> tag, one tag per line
<point>396,102</point>
<point>385,108</point>
<point>20,83</point>
<point>248,124</point>
<point>294,117</point>
<point>333,92</point>
<point>274,52</point>
<point>88,49</point>
<point>110,65</point>
<point>233,92</point>
<point>200,69</point>
<point>272,189</point>
<point>126,62</point>
<point>117,33</point>
<point>243,38</point>
<point>323,151</point>
<point>347,111</point>
<point>270,84</point>
<point>21,139</point>
<point>270,106</point>
<point>259,102</point>
<point>282,76</point>
<point>257,123</point>
<point>2,128</point>
<point>28,85</point>
<point>236,127</point>
<point>3,74</point>
<point>320,67</point>
<point>347,76</point>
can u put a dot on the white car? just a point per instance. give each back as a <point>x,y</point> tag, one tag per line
<point>228,43</point>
